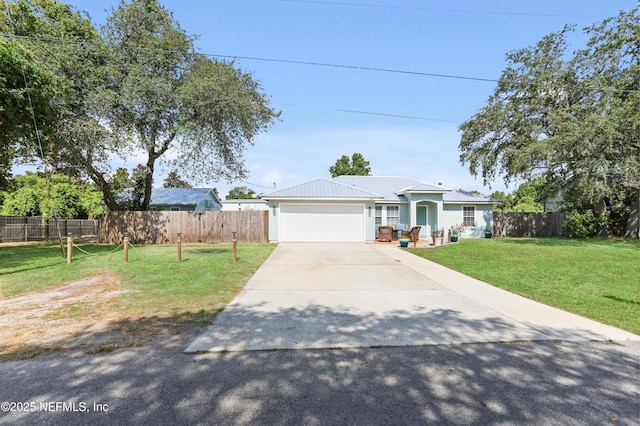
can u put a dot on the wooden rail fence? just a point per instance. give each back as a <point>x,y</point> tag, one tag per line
<point>163,227</point>
<point>528,224</point>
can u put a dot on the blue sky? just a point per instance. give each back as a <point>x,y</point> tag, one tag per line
<point>404,124</point>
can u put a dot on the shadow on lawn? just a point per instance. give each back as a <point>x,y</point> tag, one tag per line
<point>516,383</point>
<point>621,299</point>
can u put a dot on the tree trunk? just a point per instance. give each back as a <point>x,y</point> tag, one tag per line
<point>633,223</point>
<point>601,208</point>
<point>148,183</point>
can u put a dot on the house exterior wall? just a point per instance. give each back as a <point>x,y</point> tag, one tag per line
<point>244,205</point>
<point>452,215</point>
<point>208,203</point>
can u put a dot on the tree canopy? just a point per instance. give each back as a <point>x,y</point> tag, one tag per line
<point>138,85</point>
<point>33,194</point>
<point>572,118</point>
<point>354,166</point>
<point>526,198</point>
<point>50,59</point>
<point>241,193</point>
<point>173,180</point>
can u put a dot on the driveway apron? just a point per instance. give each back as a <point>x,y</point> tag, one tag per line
<point>329,295</point>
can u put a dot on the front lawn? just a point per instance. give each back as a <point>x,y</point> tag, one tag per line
<point>153,281</point>
<point>596,278</point>
<point>155,290</point>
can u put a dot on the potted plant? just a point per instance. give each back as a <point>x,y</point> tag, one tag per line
<point>488,233</point>
<point>404,241</point>
<point>456,230</point>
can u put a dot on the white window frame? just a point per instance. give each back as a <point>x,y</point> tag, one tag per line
<point>469,212</point>
<point>387,214</point>
<point>393,216</point>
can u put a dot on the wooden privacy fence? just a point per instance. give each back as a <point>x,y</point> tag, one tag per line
<point>528,224</point>
<point>163,227</point>
<point>31,228</point>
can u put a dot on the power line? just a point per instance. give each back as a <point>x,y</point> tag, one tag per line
<point>395,115</point>
<point>298,62</point>
<point>354,67</point>
<point>255,184</point>
<point>433,9</point>
<point>256,58</point>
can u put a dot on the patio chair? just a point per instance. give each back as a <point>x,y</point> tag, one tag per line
<point>385,233</point>
<point>414,234</point>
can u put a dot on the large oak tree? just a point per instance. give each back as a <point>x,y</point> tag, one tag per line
<point>572,118</point>
<point>138,85</point>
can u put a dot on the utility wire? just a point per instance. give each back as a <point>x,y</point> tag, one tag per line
<point>311,63</point>
<point>354,67</point>
<point>255,184</point>
<point>396,115</point>
<point>256,58</point>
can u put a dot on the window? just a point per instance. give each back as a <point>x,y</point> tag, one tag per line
<point>393,215</point>
<point>387,215</point>
<point>469,216</point>
<point>175,209</point>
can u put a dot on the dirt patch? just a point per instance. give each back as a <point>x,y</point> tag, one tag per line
<point>61,316</point>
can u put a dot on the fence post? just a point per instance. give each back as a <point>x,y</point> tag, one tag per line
<point>125,242</point>
<point>179,246</point>
<point>235,243</point>
<point>69,246</point>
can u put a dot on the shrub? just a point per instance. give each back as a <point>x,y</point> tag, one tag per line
<point>618,217</point>
<point>584,225</point>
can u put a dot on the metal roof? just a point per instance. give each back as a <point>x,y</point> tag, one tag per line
<point>381,188</point>
<point>391,187</point>
<point>323,189</point>
<point>460,196</point>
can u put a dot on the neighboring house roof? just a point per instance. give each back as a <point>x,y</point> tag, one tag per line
<point>178,196</point>
<point>322,189</point>
<point>465,197</point>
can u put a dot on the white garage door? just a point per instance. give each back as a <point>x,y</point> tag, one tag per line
<point>322,223</point>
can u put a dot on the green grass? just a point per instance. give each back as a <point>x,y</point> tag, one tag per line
<point>596,278</point>
<point>153,282</point>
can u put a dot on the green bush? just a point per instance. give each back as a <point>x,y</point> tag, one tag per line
<point>618,217</point>
<point>585,224</point>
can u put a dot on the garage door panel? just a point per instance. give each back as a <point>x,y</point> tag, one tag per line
<point>322,223</point>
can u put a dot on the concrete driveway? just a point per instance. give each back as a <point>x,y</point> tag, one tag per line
<point>366,295</point>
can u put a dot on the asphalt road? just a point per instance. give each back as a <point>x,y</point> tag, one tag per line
<point>589,383</point>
